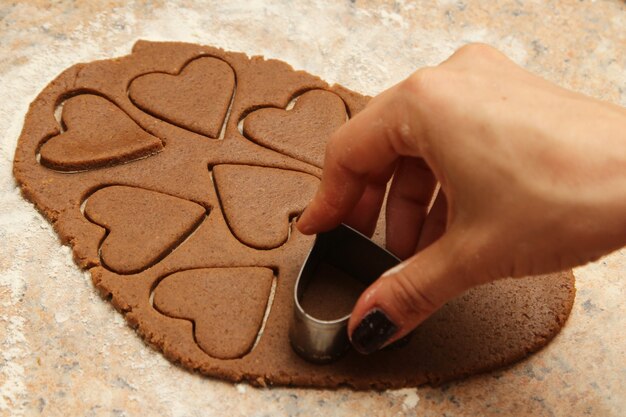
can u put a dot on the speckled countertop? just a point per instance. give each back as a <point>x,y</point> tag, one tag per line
<point>64,351</point>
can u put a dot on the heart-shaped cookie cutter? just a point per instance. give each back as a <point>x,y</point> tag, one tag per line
<point>352,252</point>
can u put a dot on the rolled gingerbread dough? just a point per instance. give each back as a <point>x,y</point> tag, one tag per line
<point>175,173</point>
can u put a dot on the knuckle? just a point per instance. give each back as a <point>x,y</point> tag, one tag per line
<point>408,298</point>
<point>420,81</point>
<point>402,140</point>
<point>479,50</point>
<point>415,94</point>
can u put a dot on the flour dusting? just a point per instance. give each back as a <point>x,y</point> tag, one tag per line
<point>59,340</point>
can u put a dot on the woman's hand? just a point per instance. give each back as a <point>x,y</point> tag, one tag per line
<point>533,180</point>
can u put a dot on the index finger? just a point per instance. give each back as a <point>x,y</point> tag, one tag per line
<point>365,145</point>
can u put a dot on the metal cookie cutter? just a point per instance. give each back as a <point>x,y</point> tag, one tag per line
<point>353,253</point>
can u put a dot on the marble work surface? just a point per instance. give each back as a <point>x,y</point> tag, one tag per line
<point>64,351</point>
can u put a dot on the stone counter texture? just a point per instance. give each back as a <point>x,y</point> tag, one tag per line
<point>64,351</point>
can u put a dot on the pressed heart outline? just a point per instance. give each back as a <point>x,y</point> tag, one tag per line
<point>137,237</point>
<point>301,129</point>
<point>95,133</point>
<point>258,203</point>
<point>214,300</point>
<point>197,98</point>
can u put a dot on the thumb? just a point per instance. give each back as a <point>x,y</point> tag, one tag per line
<point>407,294</point>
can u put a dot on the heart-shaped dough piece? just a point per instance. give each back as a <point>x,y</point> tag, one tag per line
<point>259,202</point>
<point>144,226</point>
<point>216,300</point>
<point>301,132</point>
<point>97,134</point>
<point>196,99</point>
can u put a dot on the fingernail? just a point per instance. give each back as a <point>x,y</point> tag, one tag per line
<point>400,343</point>
<point>372,332</point>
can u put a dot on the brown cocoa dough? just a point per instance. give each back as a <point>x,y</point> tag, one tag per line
<point>98,134</point>
<point>131,215</point>
<point>191,274</point>
<point>331,293</point>
<point>226,305</point>
<point>302,131</point>
<point>259,213</point>
<point>179,98</point>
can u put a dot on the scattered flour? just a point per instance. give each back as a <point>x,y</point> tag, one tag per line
<point>409,396</point>
<point>42,283</point>
<point>57,337</point>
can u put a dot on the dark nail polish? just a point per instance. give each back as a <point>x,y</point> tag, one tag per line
<point>372,332</point>
<point>400,343</point>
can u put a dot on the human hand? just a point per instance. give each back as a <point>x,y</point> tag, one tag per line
<point>533,180</point>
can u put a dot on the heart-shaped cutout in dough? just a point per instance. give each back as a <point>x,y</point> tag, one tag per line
<point>301,132</point>
<point>216,300</point>
<point>196,99</point>
<point>259,202</point>
<point>97,134</point>
<point>486,328</point>
<point>138,235</point>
